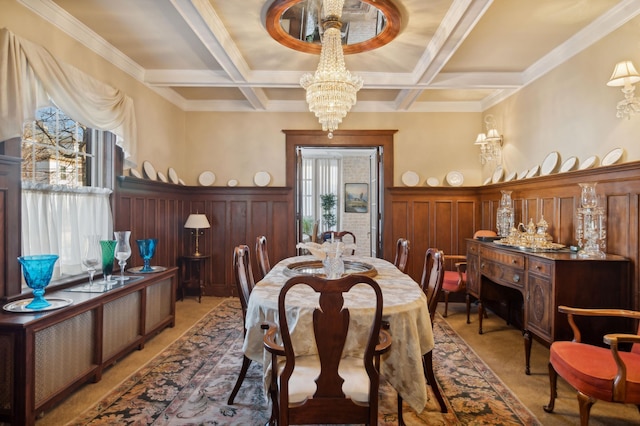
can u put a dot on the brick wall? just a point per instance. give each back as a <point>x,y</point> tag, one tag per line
<point>357,170</point>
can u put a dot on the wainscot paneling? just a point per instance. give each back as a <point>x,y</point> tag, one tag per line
<point>444,217</point>
<point>152,209</point>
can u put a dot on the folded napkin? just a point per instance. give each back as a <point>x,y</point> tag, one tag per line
<point>320,250</point>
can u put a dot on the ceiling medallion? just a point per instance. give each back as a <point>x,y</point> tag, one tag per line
<point>331,90</point>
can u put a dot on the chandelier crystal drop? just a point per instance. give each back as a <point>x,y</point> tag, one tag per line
<point>331,90</point>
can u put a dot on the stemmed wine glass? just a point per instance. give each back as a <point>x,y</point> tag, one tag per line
<point>91,256</point>
<point>123,250</point>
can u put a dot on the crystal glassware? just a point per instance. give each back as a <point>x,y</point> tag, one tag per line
<point>333,264</point>
<point>91,255</point>
<point>505,217</point>
<point>37,270</point>
<point>108,250</point>
<point>122,250</point>
<point>147,249</point>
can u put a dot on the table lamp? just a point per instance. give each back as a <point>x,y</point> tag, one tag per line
<point>197,222</point>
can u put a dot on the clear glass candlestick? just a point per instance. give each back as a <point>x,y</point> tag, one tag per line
<point>91,255</point>
<point>122,251</point>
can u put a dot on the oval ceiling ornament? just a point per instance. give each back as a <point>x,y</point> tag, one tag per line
<point>390,30</point>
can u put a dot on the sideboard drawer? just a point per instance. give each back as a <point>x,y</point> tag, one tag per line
<point>510,277</point>
<point>504,257</point>
<point>540,267</point>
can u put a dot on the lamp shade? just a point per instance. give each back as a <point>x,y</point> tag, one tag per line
<point>481,139</point>
<point>197,221</point>
<point>624,73</point>
<point>493,135</point>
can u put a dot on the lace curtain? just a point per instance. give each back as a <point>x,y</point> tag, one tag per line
<point>55,219</point>
<point>30,76</point>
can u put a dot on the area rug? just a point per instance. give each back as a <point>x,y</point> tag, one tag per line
<point>189,383</point>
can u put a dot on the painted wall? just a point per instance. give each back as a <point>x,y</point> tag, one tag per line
<point>160,123</point>
<point>571,109</point>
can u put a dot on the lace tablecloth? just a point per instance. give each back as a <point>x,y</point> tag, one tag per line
<point>405,308</point>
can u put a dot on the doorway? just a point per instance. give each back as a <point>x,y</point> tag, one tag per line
<point>350,177</point>
<point>381,141</point>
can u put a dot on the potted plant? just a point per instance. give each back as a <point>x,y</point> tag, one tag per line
<point>328,203</point>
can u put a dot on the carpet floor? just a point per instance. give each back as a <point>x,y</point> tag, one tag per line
<point>190,381</point>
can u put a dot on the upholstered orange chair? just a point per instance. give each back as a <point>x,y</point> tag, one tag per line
<point>597,373</point>
<point>402,255</point>
<point>455,281</point>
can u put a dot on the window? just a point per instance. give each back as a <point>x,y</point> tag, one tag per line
<point>63,198</point>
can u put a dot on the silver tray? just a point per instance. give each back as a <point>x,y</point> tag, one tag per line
<point>154,269</point>
<point>21,305</point>
<point>314,267</point>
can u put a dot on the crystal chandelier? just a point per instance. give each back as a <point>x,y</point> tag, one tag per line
<point>331,90</point>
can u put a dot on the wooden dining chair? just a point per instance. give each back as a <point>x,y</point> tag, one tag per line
<point>597,373</point>
<point>326,387</point>
<point>244,285</point>
<point>402,255</point>
<point>262,255</point>
<point>431,283</point>
<point>455,280</point>
<point>339,236</point>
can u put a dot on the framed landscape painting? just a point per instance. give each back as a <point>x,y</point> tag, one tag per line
<point>356,197</point>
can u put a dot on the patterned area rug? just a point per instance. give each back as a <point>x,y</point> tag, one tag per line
<point>189,383</point>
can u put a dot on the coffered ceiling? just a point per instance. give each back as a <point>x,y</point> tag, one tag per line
<point>450,55</point>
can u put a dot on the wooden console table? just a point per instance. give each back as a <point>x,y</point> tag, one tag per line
<point>192,274</point>
<point>546,280</point>
<point>46,355</point>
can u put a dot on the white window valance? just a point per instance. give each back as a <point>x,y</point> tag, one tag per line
<point>30,76</point>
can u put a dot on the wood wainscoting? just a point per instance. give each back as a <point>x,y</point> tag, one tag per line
<point>445,217</point>
<point>152,209</point>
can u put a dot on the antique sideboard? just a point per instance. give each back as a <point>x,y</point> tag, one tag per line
<point>46,355</point>
<point>545,280</point>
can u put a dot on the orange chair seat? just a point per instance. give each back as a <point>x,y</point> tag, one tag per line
<point>591,369</point>
<point>451,279</point>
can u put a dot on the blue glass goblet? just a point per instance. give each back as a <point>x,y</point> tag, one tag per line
<point>147,249</point>
<point>37,270</point>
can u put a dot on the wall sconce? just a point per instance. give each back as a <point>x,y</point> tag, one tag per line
<point>197,222</point>
<point>625,76</point>
<point>490,142</point>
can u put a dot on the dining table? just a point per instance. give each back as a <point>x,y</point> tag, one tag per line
<point>405,310</point>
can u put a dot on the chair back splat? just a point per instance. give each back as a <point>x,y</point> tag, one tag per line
<point>338,396</point>
<point>340,236</point>
<point>262,255</point>
<point>402,255</point>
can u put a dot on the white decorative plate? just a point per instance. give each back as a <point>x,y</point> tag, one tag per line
<point>433,181</point>
<point>533,171</point>
<point>206,178</point>
<point>181,182</point>
<point>135,173</point>
<point>173,176</point>
<point>232,182</point>
<point>497,174</point>
<point>162,177</point>
<point>612,157</point>
<point>487,181</point>
<point>410,178</point>
<point>589,162</point>
<point>550,163</point>
<point>455,178</point>
<point>262,178</point>
<point>149,170</point>
<point>523,174</point>
<point>511,176</point>
<point>569,164</point>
